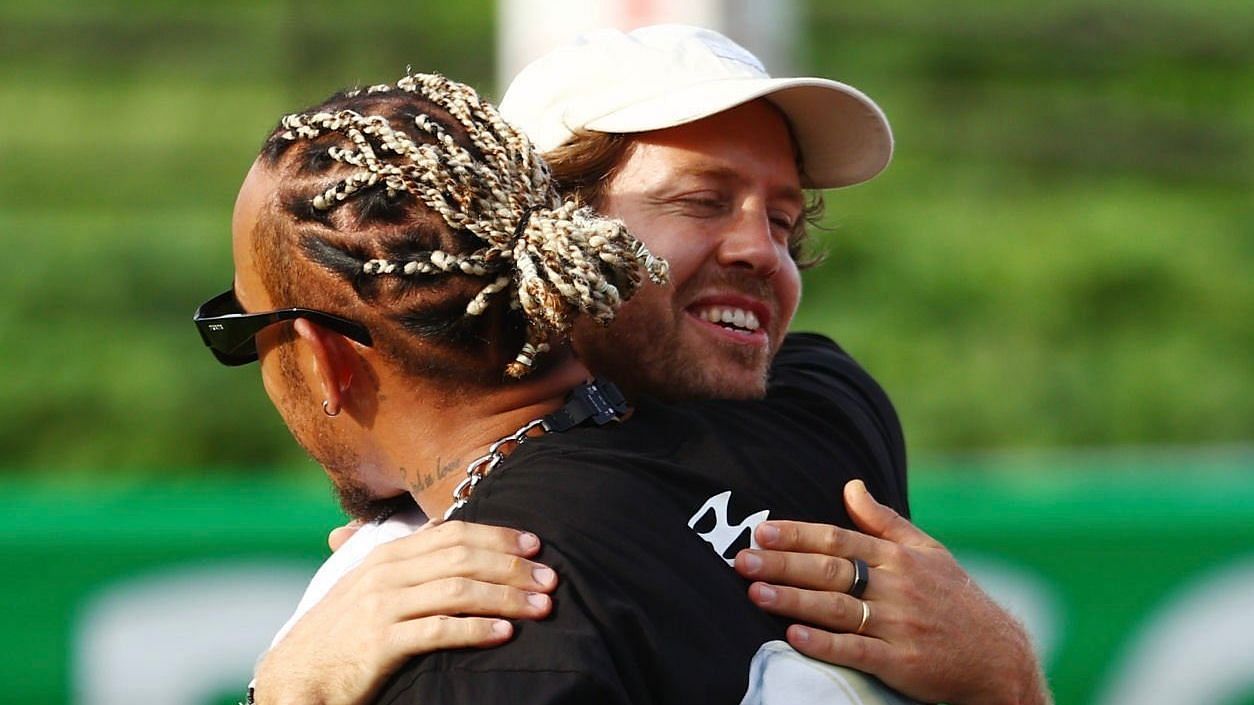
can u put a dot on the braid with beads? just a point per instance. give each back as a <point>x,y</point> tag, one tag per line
<point>553,260</point>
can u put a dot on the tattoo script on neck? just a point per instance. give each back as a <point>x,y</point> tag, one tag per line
<point>441,470</point>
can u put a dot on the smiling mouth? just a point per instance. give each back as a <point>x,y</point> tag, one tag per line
<point>731,318</point>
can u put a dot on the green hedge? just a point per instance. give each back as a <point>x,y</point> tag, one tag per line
<point>1059,255</point>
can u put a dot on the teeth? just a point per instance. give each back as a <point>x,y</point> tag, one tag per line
<point>728,316</point>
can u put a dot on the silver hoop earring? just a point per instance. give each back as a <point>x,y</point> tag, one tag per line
<point>326,408</point>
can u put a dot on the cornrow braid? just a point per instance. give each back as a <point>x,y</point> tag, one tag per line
<point>553,259</point>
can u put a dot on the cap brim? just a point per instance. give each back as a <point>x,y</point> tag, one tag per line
<point>842,134</point>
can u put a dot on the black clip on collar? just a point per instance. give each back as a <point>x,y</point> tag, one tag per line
<point>598,401</point>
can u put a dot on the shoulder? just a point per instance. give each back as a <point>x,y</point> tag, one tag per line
<point>592,541</point>
<point>813,373</point>
<point>815,363</point>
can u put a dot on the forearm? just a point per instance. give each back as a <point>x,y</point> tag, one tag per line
<point>1030,687</point>
<point>1014,673</point>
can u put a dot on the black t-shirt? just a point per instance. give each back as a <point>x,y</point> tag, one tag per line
<point>641,521</point>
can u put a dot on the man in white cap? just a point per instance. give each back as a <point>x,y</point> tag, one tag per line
<point>660,127</point>
<point>669,128</point>
<point>683,135</point>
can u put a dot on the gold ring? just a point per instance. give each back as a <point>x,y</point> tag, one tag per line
<point>866,616</point>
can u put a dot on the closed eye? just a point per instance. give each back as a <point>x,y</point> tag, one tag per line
<point>703,207</point>
<point>786,219</point>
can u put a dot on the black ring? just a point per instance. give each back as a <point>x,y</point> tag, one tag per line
<point>861,575</point>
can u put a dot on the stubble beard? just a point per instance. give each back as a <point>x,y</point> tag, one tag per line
<point>358,503</point>
<point>664,360</point>
<point>342,464</point>
<point>340,461</point>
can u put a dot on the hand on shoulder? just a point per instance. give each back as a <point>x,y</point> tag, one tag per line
<point>400,603</point>
<point>920,624</point>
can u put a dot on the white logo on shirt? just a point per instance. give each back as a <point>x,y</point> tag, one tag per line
<point>724,534</point>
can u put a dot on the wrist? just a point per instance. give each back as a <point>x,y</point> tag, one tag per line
<point>1037,692</point>
<point>1022,681</point>
<point>1031,687</point>
<point>265,691</point>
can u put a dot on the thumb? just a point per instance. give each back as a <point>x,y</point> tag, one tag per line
<point>340,534</point>
<point>879,520</point>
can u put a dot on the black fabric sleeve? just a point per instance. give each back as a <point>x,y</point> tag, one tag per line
<point>456,686</point>
<point>563,659</point>
<point>559,661</point>
<point>811,366</point>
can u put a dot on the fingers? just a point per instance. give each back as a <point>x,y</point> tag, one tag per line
<point>459,533</point>
<point>427,634</point>
<point>881,520</point>
<point>863,653</point>
<point>815,572</point>
<point>340,534</point>
<point>805,570</point>
<point>462,596</point>
<point>478,564</point>
<point>802,537</point>
<point>831,610</point>
<point>456,562</point>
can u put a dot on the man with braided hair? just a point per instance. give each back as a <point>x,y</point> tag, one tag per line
<point>459,201</point>
<point>430,274</point>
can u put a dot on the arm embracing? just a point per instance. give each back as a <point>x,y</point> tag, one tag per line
<point>398,603</point>
<point>926,629</point>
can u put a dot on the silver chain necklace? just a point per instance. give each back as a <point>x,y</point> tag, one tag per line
<point>484,464</point>
<point>597,401</point>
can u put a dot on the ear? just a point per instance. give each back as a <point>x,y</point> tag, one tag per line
<point>335,361</point>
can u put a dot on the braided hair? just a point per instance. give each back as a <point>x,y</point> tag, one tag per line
<point>549,259</point>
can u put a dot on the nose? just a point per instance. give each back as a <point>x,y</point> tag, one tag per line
<point>750,245</point>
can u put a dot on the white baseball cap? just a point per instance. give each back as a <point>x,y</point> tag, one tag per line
<point>667,75</point>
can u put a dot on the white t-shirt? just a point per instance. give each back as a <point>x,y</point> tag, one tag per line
<point>348,557</point>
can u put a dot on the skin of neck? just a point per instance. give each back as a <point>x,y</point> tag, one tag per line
<point>423,439</point>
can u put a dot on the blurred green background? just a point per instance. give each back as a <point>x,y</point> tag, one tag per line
<point>1059,255</point>
<point>1059,258</point>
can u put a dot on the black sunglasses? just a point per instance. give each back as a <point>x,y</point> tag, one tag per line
<point>231,334</point>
